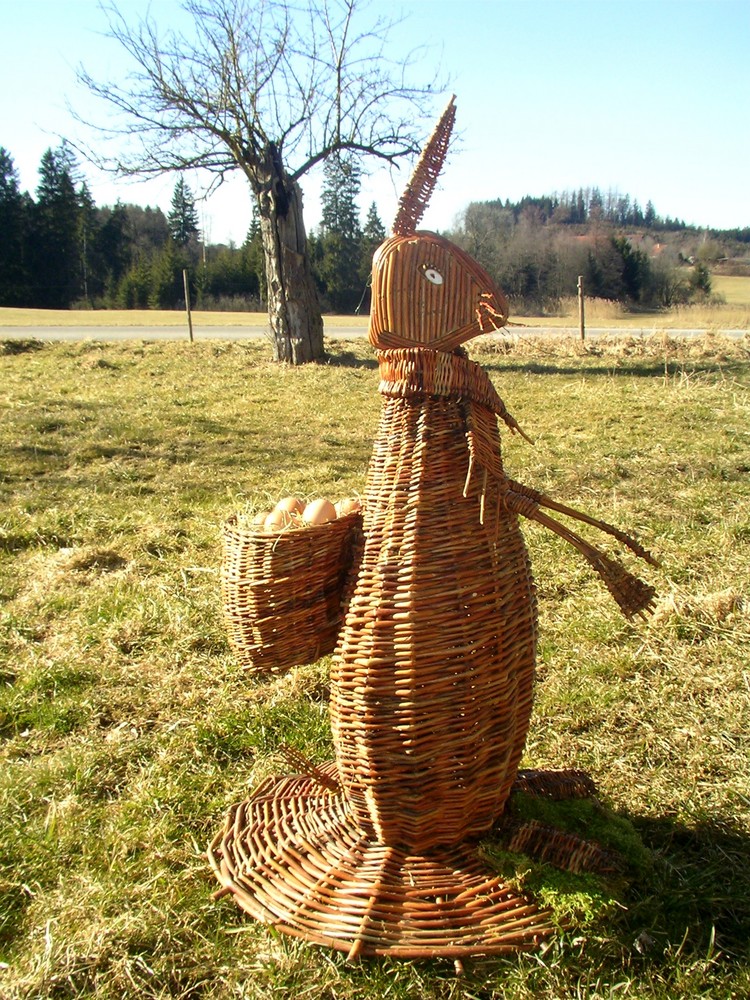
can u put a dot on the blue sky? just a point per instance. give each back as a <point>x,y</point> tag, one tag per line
<point>649,98</point>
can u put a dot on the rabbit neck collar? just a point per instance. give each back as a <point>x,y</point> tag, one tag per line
<point>414,372</point>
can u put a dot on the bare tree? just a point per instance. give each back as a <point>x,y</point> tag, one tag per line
<point>272,88</point>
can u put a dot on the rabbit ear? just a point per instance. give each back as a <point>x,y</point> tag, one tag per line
<point>418,191</point>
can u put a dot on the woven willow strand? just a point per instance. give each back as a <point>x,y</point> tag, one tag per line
<point>424,178</point>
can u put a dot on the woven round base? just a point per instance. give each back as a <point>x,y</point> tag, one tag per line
<point>294,858</point>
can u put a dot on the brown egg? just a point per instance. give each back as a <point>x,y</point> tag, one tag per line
<point>319,512</point>
<point>259,519</point>
<point>293,504</point>
<point>278,520</point>
<point>347,506</point>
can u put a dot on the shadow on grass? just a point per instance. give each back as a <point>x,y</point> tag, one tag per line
<point>702,883</point>
<point>647,368</point>
<point>684,929</point>
<point>589,364</point>
<point>350,359</point>
<point>20,346</point>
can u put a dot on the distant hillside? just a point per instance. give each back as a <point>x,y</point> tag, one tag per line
<point>537,247</point>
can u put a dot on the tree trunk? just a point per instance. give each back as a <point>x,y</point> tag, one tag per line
<point>293,307</point>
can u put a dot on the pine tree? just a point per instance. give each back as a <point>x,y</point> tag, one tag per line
<point>580,215</point>
<point>373,235</point>
<point>253,250</point>
<point>340,234</point>
<point>13,236</point>
<point>167,288</point>
<point>88,226</point>
<point>596,205</point>
<point>339,198</point>
<point>134,287</point>
<point>57,274</point>
<point>699,281</point>
<point>374,232</point>
<point>112,252</point>
<point>183,219</point>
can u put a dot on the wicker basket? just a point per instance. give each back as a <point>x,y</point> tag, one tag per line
<point>284,594</point>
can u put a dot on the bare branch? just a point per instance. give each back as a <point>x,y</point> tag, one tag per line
<point>272,88</point>
<point>256,73</point>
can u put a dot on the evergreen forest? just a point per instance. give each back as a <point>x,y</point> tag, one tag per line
<point>59,250</point>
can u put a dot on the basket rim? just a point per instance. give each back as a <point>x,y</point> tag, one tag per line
<point>230,524</point>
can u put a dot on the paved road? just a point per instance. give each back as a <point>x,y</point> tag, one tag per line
<point>110,333</point>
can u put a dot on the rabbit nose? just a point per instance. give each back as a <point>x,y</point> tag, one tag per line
<point>489,312</point>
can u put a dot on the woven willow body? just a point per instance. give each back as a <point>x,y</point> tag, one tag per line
<point>432,678</point>
<point>430,702</point>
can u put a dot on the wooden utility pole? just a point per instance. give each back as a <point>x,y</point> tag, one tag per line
<point>581,321</point>
<point>187,302</point>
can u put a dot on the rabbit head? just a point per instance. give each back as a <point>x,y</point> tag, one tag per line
<point>426,291</point>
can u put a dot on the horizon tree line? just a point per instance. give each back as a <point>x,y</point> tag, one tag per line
<point>59,250</point>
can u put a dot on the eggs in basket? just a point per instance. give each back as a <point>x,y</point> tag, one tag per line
<point>291,513</point>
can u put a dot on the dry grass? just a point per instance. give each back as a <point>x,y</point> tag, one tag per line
<point>734,314</point>
<point>603,313</point>
<point>735,290</point>
<point>127,728</point>
<point>86,318</point>
<point>125,317</point>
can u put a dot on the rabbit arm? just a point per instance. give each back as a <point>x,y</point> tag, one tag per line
<point>543,501</point>
<point>633,596</point>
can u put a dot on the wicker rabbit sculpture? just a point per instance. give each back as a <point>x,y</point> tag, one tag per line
<point>431,686</point>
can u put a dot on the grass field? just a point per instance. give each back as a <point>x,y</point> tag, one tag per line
<point>127,727</point>
<point>734,314</point>
<point>733,289</point>
<point>84,318</point>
